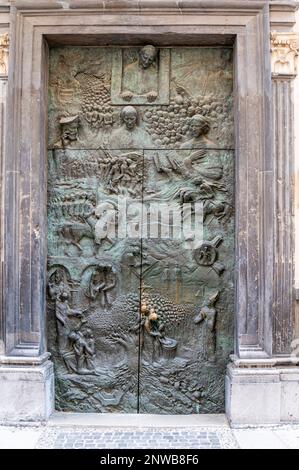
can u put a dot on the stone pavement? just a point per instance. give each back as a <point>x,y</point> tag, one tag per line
<point>72,431</point>
<point>148,438</point>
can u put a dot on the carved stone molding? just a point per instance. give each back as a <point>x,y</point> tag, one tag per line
<point>282,14</point>
<point>284,53</point>
<point>4,48</point>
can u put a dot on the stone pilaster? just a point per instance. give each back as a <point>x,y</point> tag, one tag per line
<point>4,47</point>
<point>284,55</point>
<point>266,391</point>
<point>27,383</point>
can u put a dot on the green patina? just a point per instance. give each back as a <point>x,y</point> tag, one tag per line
<point>140,323</point>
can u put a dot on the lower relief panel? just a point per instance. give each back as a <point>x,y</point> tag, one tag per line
<point>94,348</point>
<point>186,340</point>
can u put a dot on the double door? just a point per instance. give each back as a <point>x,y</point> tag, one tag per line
<point>140,228</point>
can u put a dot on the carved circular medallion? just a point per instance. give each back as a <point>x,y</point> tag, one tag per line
<point>205,254</point>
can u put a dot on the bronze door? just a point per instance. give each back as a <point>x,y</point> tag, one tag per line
<point>140,228</point>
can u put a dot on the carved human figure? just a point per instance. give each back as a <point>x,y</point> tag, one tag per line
<point>208,315</point>
<point>58,284</point>
<point>200,147</point>
<point>199,127</point>
<point>167,162</point>
<point>219,209</point>
<point>149,322</point>
<point>104,166</point>
<point>72,232</point>
<point>130,135</point>
<point>140,77</point>
<point>69,132</point>
<point>97,283</point>
<point>139,326</point>
<point>64,313</point>
<point>105,223</point>
<point>121,172</point>
<point>89,349</point>
<point>102,281</point>
<point>132,256</point>
<point>156,329</point>
<point>110,283</point>
<point>84,350</point>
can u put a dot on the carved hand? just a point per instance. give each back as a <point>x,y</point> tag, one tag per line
<point>127,95</point>
<point>199,318</point>
<point>151,96</point>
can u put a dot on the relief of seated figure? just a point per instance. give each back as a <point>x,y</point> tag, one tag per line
<point>140,77</point>
<point>201,148</point>
<point>130,135</point>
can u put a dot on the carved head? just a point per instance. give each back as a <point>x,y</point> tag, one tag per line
<point>153,316</point>
<point>69,127</point>
<point>57,276</point>
<point>64,296</point>
<point>73,336</point>
<point>198,125</point>
<point>129,117</point>
<point>144,309</point>
<point>147,56</point>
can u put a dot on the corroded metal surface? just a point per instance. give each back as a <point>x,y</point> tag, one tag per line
<point>140,323</point>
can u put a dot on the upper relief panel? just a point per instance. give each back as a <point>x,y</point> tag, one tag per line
<point>139,97</point>
<point>141,75</point>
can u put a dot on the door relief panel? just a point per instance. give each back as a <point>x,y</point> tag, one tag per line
<point>140,228</point>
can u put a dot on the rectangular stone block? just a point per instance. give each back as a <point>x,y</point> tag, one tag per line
<point>26,393</point>
<point>252,398</point>
<point>290,397</point>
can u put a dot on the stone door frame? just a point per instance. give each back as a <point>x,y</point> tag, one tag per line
<point>35,24</point>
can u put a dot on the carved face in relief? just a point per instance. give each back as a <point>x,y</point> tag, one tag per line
<point>64,296</point>
<point>147,56</point>
<point>198,126</point>
<point>57,276</point>
<point>69,128</point>
<point>128,116</point>
<point>89,333</point>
